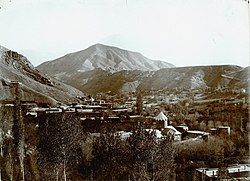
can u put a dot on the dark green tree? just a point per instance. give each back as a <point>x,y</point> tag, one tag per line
<point>139,104</point>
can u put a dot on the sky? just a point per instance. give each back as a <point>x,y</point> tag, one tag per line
<point>181,32</point>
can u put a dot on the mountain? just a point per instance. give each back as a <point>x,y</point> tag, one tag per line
<point>102,68</point>
<point>99,60</point>
<point>198,77</point>
<point>193,77</point>
<point>34,84</point>
<point>103,57</point>
<point>241,79</point>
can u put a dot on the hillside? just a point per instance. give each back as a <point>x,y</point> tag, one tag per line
<point>196,77</point>
<point>102,68</point>
<point>103,57</point>
<point>35,85</point>
<point>199,77</point>
<point>241,78</point>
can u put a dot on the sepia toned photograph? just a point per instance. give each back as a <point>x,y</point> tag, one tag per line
<point>124,90</point>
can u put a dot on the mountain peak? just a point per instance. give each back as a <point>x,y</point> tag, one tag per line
<point>103,48</point>
<point>14,59</point>
<point>100,45</point>
<point>2,50</point>
<point>35,85</point>
<point>99,56</point>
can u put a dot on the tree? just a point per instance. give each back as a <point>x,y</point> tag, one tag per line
<point>152,159</point>
<point>140,157</point>
<point>110,157</point>
<point>61,136</point>
<point>139,103</point>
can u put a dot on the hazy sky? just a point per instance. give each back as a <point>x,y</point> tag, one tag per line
<point>182,32</point>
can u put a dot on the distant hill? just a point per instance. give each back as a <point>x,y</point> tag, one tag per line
<point>102,68</point>
<point>199,77</point>
<point>241,78</point>
<point>35,85</point>
<point>195,77</point>
<point>103,57</point>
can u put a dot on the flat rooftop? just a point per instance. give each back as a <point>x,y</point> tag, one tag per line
<point>210,172</point>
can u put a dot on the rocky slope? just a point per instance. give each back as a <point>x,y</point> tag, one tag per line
<point>35,85</point>
<point>102,68</point>
<point>196,77</point>
<point>199,77</point>
<point>103,57</point>
<point>241,78</point>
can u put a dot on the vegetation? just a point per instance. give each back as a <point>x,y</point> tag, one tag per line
<point>141,157</point>
<point>58,147</point>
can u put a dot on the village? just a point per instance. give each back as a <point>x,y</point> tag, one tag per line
<point>161,115</point>
<point>187,118</point>
<point>94,90</point>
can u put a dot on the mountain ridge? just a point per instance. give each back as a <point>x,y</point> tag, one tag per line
<point>95,79</point>
<point>109,77</point>
<point>35,85</point>
<point>186,78</point>
<point>106,57</point>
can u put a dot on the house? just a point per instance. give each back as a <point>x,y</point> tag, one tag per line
<point>171,132</point>
<point>158,133</point>
<point>124,134</point>
<point>183,128</point>
<point>196,134</point>
<point>233,172</point>
<point>223,131</point>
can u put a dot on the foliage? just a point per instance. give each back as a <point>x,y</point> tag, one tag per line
<point>139,103</point>
<point>60,142</point>
<point>141,157</point>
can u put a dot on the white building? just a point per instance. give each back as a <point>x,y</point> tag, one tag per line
<point>162,117</point>
<point>168,129</point>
